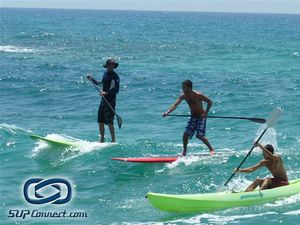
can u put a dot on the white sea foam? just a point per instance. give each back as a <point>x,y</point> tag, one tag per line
<point>187,160</point>
<point>203,158</point>
<point>16,49</point>
<point>295,212</point>
<point>217,219</point>
<point>12,128</point>
<point>82,147</point>
<point>285,201</point>
<point>9,143</point>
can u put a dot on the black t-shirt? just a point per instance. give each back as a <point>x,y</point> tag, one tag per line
<point>111,84</point>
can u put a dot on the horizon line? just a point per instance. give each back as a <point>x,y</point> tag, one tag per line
<point>153,10</point>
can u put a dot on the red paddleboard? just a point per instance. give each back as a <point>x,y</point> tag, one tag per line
<point>149,159</point>
<point>165,159</point>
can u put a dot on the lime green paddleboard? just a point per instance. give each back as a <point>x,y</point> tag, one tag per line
<point>215,201</point>
<point>54,141</point>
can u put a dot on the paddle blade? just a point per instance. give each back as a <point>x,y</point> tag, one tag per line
<point>274,117</point>
<point>119,120</point>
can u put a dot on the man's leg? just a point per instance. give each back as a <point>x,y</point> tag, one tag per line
<point>185,140</point>
<point>101,121</point>
<point>112,132</point>
<point>206,142</point>
<point>267,184</point>
<point>101,130</point>
<point>257,182</point>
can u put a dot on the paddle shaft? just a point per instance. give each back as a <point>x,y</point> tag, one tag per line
<point>257,120</point>
<point>112,109</point>
<point>119,119</point>
<point>246,156</point>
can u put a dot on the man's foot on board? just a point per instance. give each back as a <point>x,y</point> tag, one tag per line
<point>183,153</point>
<point>101,140</point>
<point>212,153</point>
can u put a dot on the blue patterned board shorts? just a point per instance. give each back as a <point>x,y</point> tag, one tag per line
<point>197,125</point>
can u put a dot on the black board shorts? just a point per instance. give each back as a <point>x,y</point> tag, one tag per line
<point>105,114</point>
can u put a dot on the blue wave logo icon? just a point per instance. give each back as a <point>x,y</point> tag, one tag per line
<point>42,191</point>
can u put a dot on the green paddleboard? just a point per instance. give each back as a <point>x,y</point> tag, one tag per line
<point>221,200</point>
<point>54,141</point>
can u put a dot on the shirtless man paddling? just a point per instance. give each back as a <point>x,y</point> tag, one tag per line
<point>274,164</point>
<point>197,121</point>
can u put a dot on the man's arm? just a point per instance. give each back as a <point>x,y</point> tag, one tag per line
<point>253,168</point>
<point>174,106</point>
<point>93,80</point>
<point>207,100</point>
<point>268,153</point>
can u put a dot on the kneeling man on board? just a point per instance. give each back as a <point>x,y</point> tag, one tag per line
<point>197,121</point>
<point>274,164</point>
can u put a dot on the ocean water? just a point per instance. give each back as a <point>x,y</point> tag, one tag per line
<point>248,64</point>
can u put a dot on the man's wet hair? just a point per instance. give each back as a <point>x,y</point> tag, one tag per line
<point>270,148</point>
<point>188,83</point>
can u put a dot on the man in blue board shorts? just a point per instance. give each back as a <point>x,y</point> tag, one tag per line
<point>111,83</point>
<point>197,121</point>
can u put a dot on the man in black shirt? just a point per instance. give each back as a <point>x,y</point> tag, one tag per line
<point>111,83</point>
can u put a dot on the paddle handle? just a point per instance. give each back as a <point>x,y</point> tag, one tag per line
<point>246,157</point>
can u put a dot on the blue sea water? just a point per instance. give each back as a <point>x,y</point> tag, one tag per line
<point>248,64</point>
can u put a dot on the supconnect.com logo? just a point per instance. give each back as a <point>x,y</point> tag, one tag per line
<point>38,192</point>
<point>34,187</point>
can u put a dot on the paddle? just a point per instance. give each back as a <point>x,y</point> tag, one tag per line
<point>119,119</point>
<point>270,123</point>
<point>256,120</point>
